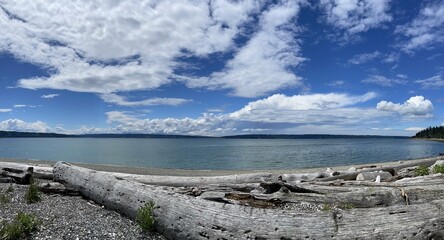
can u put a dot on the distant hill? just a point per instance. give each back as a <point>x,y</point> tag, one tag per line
<point>431,132</point>
<point>135,135</point>
<point>6,134</point>
<point>303,136</point>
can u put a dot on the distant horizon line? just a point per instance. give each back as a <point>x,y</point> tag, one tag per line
<point>12,134</point>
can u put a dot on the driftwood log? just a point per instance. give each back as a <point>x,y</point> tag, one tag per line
<point>56,188</point>
<point>37,171</point>
<point>18,174</point>
<point>176,181</point>
<point>345,210</point>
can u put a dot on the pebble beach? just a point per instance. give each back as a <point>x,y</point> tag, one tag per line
<point>70,217</point>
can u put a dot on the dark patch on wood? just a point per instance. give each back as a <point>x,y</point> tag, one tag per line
<point>277,186</point>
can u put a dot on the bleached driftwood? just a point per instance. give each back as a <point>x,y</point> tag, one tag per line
<point>20,174</point>
<point>57,188</point>
<point>37,171</point>
<point>182,216</point>
<point>178,181</point>
<point>371,176</point>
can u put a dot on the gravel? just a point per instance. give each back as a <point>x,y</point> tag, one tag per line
<point>70,217</point>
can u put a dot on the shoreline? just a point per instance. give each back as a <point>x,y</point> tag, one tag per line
<point>203,173</point>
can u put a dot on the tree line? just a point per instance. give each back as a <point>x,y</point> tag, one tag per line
<point>431,132</point>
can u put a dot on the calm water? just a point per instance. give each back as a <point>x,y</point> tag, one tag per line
<point>218,153</point>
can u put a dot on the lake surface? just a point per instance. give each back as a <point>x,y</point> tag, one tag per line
<point>219,154</point>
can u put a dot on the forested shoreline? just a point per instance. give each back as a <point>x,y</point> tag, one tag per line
<point>431,132</point>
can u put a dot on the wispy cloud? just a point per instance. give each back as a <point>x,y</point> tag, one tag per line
<point>122,101</point>
<point>363,58</point>
<point>215,110</point>
<point>414,129</point>
<point>336,83</point>
<point>354,17</point>
<point>50,96</point>
<point>432,82</point>
<point>262,65</point>
<point>24,105</point>
<point>426,30</point>
<point>384,81</point>
<point>5,110</point>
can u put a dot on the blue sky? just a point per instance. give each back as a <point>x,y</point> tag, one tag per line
<point>222,67</point>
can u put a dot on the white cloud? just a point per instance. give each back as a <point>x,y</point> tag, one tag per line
<point>120,117</point>
<point>24,105</point>
<point>336,83</point>
<point>22,126</point>
<point>303,109</point>
<point>416,106</point>
<point>256,129</point>
<point>50,96</point>
<point>307,102</point>
<point>356,16</point>
<point>426,30</point>
<point>310,113</point>
<point>215,110</point>
<point>390,57</point>
<point>5,110</point>
<point>118,46</point>
<point>363,58</point>
<point>263,64</point>
<point>432,82</point>
<point>122,101</point>
<point>403,76</point>
<point>384,81</point>
<point>258,115</point>
<point>414,129</point>
<point>207,124</point>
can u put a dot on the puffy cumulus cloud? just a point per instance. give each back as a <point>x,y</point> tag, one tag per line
<point>5,110</point>
<point>364,57</point>
<point>281,102</point>
<point>384,81</point>
<point>356,16</point>
<point>416,106</point>
<point>264,64</point>
<point>132,45</point>
<point>308,109</point>
<point>426,30</point>
<point>22,126</point>
<point>122,101</point>
<point>432,82</point>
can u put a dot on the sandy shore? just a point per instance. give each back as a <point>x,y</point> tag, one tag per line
<point>198,173</point>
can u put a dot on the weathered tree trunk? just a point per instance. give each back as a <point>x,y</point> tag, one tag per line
<point>176,181</point>
<point>20,175</point>
<point>57,188</point>
<point>181,216</point>
<point>37,171</point>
